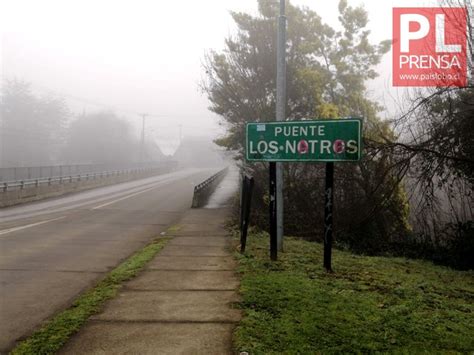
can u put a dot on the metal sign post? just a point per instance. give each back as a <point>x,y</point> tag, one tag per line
<point>273,213</point>
<point>328,202</point>
<point>280,113</point>
<point>246,201</point>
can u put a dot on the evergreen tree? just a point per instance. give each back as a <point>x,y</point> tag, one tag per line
<point>327,71</point>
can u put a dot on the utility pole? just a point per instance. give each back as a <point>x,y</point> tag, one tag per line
<point>142,144</point>
<point>280,115</point>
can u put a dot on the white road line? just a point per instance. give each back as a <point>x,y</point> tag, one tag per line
<point>125,197</point>
<point>14,229</point>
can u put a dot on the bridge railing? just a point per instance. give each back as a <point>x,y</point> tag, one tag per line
<point>19,173</point>
<point>23,183</point>
<point>203,191</point>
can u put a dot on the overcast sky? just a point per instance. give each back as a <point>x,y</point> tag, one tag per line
<point>144,56</point>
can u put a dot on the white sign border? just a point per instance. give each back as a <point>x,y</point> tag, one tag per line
<point>359,120</point>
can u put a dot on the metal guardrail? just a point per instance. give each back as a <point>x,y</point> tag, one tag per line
<point>202,191</point>
<point>40,172</point>
<point>21,184</point>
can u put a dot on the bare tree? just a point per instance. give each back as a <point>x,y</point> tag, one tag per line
<point>435,137</point>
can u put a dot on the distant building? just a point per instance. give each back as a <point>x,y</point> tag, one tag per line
<point>195,152</point>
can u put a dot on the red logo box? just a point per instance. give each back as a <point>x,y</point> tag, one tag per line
<point>430,46</point>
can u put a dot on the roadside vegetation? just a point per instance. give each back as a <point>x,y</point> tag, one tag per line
<point>412,192</point>
<point>55,333</point>
<point>42,130</point>
<point>370,304</point>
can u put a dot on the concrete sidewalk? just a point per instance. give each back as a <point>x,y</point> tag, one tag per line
<point>180,304</point>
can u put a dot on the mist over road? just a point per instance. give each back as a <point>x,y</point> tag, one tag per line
<point>52,250</point>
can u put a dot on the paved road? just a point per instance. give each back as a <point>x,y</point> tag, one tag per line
<point>50,251</point>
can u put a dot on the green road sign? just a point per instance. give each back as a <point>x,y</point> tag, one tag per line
<point>318,140</point>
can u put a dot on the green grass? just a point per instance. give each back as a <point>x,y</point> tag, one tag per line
<point>369,305</point>
<point>54,334</point>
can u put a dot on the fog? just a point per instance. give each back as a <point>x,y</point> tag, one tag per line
<point>129,58</point>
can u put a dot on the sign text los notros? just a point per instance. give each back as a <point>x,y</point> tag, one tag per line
<point>316,140</point>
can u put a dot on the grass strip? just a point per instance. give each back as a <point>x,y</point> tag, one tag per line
<point>54,334</point>
<point>369,305</point>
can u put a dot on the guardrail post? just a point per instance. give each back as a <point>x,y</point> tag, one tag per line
<point>5,186</point>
